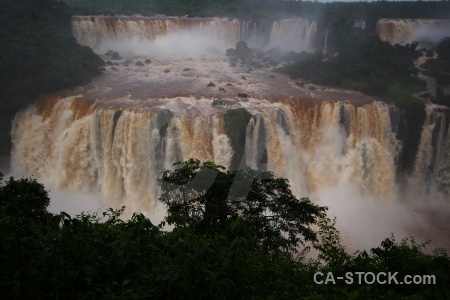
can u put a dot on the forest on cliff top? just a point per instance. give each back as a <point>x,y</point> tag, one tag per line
<point>39,53</point>
<point>271,9</point>
<point>364,63</point>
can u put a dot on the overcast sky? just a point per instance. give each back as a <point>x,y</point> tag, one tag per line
<point>371,0</point>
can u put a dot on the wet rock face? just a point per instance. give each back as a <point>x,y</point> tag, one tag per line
<point>242,52</point>
<point>162,118</point>
<point>282,121</point>
<point>257,136</point>
<point>231,52</point>
<point>233,61</point>
<point>236,121</point>
<point>113,55</point>
<point>116,56</point>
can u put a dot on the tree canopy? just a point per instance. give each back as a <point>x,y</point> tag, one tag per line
<point>24,197</point>
<point>38,54</point>
<point>371,11</point>
<point>103,256</point>
<point>266,204</point>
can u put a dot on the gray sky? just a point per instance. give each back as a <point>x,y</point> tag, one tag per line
<point>323,1</point>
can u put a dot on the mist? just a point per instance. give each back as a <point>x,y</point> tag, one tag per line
<point>365,220</point>
<point>293,35</point>
<point>186,43</point>
<point>75,202</point>
<point>428,32</point>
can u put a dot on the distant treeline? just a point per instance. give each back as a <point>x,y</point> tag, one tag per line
<point>38,54</point>
<point>251,9</point>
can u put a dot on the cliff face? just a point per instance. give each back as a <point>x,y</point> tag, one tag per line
<point>294,35</point>
<point>117,134</point>
<point>432,168</point>
<point>122,150</point>
<point>289,35</point>
<point>94,30</point>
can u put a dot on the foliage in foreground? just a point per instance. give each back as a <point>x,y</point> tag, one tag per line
<point>44,256</point>
<point>208,200</point>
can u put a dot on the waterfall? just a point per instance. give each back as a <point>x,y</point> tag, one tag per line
<point>432,168</point>
<point>325,44</point>
<point>93,31</point>
<point>361,24</point>
<point>406,31</point>
<point>289,34</point>
<point>122,151</point>
<point>294,35</point>
<point>116,135</point>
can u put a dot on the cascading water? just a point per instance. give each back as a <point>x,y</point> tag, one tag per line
<point>94,31</point>
<point>294,35</point>
<point>361,24</point>
<point>289,34</point>
<point>406,31</point>
<point>432,169</point>
<point>325,44</point>
<point>118,134</point>
<point>122,152</point>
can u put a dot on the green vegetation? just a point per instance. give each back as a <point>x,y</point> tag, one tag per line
<point>440,97</point>
<point>257,200</point>
<point>240,242</point>
<point>363,63</point>
<point>375,68</point>
<point>243,236</point>
<point>439,68</point>
<point>411,122</point>
<point>38,55</point>
<point>362,59</point>
<point>371,11</point>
